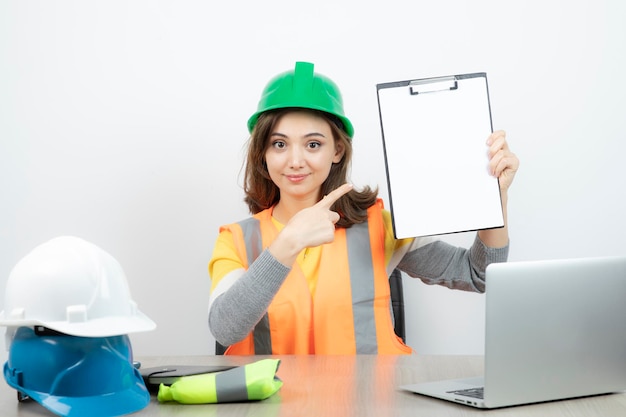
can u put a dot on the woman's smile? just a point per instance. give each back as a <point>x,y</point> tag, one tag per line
<point>296,178</point>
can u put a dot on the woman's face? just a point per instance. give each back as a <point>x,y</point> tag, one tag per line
<point>300,152</point>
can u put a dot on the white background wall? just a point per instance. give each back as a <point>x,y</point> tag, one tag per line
<point>123,122</point>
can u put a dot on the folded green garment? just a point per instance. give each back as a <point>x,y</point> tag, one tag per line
<point>255,381</point>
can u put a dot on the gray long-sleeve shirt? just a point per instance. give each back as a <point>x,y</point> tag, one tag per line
<point>233,313</point>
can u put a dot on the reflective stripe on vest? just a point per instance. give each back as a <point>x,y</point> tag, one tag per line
<point>254,246</point>
<point>346,316</point>
<point>362,284</point>
<point>231,386</point>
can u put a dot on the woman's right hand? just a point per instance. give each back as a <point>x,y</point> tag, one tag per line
<point>309,228</point>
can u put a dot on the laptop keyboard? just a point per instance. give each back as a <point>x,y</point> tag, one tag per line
<point>470,392</point>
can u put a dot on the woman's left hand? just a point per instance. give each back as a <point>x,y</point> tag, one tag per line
<point>503,163</point>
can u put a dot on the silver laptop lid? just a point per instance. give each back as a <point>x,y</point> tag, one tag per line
<point>555,329</point>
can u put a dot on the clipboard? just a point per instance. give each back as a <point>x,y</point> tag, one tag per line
<point>434,133</point>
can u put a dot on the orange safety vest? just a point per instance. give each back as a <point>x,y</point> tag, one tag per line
<point>350,312</point>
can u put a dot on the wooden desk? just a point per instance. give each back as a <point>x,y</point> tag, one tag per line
<point>329,386</point>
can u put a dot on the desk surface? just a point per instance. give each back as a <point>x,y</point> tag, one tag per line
<point>329,386</point>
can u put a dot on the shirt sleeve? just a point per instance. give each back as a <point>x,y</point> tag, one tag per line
<point>453,267</point>
<point>239,298</point>
<point>438,263</point>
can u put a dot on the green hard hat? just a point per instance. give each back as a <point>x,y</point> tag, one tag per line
<point>302,88</point>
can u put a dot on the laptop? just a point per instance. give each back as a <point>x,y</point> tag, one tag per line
<point>554,330</point>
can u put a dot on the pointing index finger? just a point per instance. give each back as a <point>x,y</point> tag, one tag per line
<point>334,195</point>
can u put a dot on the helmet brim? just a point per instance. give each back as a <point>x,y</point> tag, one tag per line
<point>347,125</point>
<point>134,398</point>
<point>99,327</point>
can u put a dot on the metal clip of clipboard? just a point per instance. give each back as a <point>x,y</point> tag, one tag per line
<point>432,85</point>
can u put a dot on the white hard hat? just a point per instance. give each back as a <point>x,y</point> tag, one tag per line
<point>72,286</point>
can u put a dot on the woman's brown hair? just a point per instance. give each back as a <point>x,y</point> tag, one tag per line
<point>262,193</point>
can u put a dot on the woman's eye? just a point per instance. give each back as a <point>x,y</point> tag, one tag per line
<point>314,145</point>
<point>279,144</point>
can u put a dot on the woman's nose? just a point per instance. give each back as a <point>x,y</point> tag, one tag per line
<point>296,156</point>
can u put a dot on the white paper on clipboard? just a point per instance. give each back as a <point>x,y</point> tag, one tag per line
<point>434,138</point>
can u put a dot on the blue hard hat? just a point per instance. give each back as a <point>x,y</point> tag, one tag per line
<point>76,376</point>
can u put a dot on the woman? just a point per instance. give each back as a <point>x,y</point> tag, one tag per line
<point>308,273</point>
